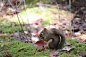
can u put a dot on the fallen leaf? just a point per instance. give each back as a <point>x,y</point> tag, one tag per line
<point>7,55</point>
<point>26,32</point>
<point>84,54</point>
<point>40,43</point>
<point>1,32</point>
<point>37,34</point>
<point>20,49</point>
<point>11,34</point>
<point>41,49</point>
<point>37,21</point>
<point>77,34</point>
<point>66,48</point>
<point>69,44</point>
<point>53,53</point>
<point>2,13</point>
<point>68,36</point>
<point>81,40</point>
<point>83,36</point>
<point>16,34</point>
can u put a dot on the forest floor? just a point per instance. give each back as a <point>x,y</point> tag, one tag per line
<point>14,42</point>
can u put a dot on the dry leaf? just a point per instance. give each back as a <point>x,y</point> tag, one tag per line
<point>84,54</point>
<point>20,49</point>
<point>53,53</point>
<point>66,48</point>
<point>40,43</point>
<point>69,44</point>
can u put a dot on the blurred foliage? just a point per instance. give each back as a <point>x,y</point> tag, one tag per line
<point>1,20</point>
<point>33,14</point>
<point>10,27</point>
<point>32,3</point>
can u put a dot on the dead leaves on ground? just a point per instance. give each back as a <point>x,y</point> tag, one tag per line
<point>7,55</point>
<point>21,49</point>
<point>83,55</point>
<point>53,53</point>
<point>67,48</point>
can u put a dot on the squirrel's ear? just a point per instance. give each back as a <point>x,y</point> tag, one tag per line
<point>45,29</point>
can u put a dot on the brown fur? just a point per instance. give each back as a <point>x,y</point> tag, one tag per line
<point>52,36</point>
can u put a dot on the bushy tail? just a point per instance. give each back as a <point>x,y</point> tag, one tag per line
<point>60,33</point>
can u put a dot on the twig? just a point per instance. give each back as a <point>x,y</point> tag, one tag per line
<point>11,4</point>
<point>28,19</point>
<point>70,18</point>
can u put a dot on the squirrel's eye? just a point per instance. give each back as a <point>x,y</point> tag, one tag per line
<point>41,34</point>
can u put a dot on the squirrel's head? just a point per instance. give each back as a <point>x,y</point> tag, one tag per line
<point>44,35</point>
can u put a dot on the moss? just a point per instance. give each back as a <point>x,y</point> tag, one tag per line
<point>45,22</point>
<point>71,40</point>
<point>9,27</point>
<point>33,3</point>
<point>48,2</point>
<point>11,45</point>
<point>1,19</point>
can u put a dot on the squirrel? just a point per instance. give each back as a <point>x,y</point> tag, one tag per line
<point>55,38</point>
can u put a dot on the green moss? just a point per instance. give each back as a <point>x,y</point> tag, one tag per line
<point>69,55</point>
<point>45,22</point>
<point>10,27</point>
<point>2,35</point>
<point>11,45</point>
<point>48,2</point>
<point>33,3</point>
<point>1,19</point>
<point>71,40</point>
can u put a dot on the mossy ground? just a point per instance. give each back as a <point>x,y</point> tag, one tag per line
<point>9,27</point>
<point>11,45</point>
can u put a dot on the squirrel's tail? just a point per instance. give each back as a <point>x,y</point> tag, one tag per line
<point>60,33</point>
